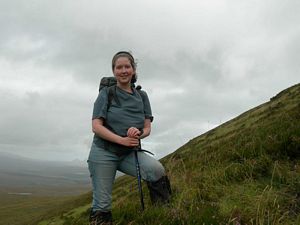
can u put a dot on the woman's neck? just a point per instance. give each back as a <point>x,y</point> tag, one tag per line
<point>125,87</point>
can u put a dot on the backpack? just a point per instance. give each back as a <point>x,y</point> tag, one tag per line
<point>111,83</point>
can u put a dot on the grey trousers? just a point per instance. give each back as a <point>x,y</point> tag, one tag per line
<point>103,171</point>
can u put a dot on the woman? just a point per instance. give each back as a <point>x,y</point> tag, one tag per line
<point>118,126</point>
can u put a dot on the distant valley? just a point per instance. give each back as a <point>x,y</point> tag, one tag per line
<point>24,176</point>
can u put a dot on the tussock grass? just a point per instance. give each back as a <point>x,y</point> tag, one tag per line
<point>245,171</point>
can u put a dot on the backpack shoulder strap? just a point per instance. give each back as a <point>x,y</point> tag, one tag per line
<point>111,84</point>
<point>112,94</point>
<point>141,92</point>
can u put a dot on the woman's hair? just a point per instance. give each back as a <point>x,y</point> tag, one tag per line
<point>132,62</point>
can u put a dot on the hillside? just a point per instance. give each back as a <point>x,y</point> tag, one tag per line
<point>245,171</point>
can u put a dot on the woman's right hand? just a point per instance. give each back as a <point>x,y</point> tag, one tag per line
<point>129,141</point>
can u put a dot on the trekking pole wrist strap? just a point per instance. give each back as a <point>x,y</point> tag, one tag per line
<point>142,131</point>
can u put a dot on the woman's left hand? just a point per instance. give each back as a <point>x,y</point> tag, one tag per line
<point>133,132</point>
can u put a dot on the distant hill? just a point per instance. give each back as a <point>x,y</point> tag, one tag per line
<point>23,174</point>
<point>246,171</point>
<point>31,188</point>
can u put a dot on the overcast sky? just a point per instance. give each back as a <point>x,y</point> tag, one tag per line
<point>201,63</point>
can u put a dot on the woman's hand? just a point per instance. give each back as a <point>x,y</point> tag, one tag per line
<point>129,141</point>
<point>132,140</point>
<point>133,132</point>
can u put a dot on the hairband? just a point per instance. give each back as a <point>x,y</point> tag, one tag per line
<point>124,53</point>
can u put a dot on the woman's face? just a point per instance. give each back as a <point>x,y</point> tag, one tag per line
<point>123,70</point>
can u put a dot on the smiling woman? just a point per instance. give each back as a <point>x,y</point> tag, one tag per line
<point>118,128</point>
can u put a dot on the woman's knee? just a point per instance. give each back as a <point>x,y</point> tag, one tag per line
<point>155,171</point>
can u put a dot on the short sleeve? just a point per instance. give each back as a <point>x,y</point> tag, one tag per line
<point>147,106</point>
<point>100,105</point>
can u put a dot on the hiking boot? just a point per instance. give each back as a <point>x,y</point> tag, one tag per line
<point>160,191</point>
<point>100,218</point>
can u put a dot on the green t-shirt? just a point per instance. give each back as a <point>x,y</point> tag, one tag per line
<point>134,108</point>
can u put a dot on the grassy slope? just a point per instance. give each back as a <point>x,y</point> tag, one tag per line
<point>247,169</point>
<point>21,210</point>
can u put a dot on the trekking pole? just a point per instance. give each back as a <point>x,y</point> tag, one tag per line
<point>138,172</point>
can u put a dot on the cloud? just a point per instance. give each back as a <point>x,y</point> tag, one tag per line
<point>201,63</point>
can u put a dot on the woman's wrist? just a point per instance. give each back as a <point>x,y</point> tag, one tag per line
<point>119,140</point>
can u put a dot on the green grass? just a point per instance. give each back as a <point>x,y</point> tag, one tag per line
<point>28,210</point>
<point>245,170</point>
